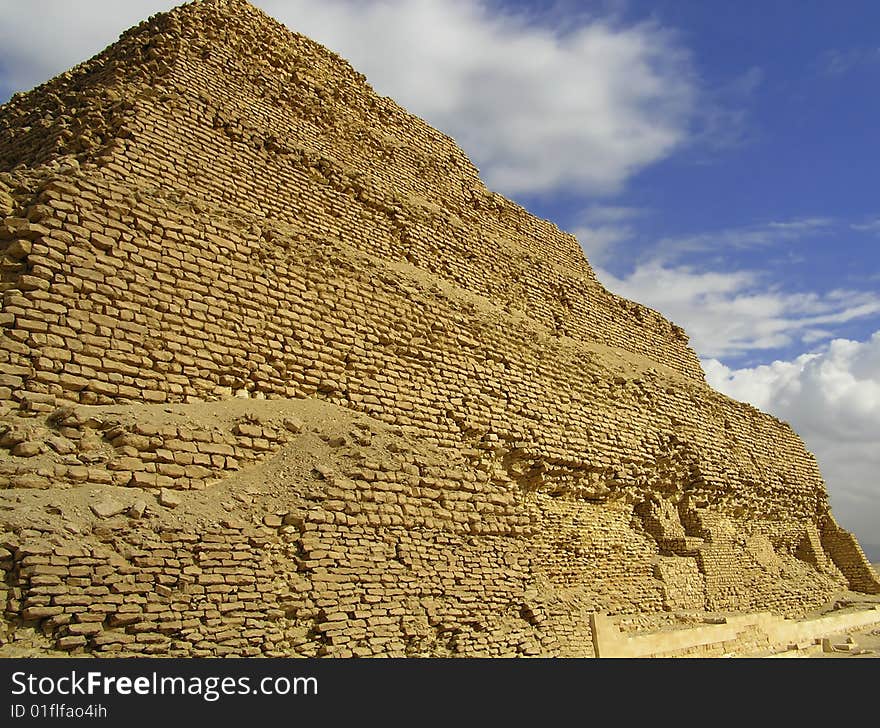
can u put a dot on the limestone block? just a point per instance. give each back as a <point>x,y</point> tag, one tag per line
<point>169,498</point>
<point>107,507</point>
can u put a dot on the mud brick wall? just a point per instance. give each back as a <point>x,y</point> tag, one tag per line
<point>215,208</point>
<point>393,576</point>
<point>684,583</point>
<point>78,446</point>
<point>387,561</point>
<point>578,425</point>
<point>111,310</point>
<point>170,593</point>
<point>215,120</point>
<point>847,555</point>
<point>234,592</point>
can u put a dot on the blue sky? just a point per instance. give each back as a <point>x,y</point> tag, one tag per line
<point>716,160</point>
<point>777,174</point>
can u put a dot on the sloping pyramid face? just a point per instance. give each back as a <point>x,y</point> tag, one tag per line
<point>281,376</point>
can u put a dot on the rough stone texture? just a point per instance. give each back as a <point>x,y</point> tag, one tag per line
<point>218,210</point>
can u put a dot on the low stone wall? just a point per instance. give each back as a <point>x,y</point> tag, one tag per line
<point>735,635</point>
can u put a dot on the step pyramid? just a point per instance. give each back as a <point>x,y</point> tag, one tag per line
<point>280,376</point>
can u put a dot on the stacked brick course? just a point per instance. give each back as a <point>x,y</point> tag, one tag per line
<point>218,210</point>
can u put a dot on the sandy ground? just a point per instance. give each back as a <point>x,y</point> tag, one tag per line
<point>862,644</point>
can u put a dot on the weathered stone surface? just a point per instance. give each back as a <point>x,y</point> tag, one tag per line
<point>138,508</point>
<point>27,449</point>
<point>236,270</point>
<point>107,508</point>
<point>169,498</point>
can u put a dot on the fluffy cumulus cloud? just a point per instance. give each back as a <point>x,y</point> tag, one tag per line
<point>41,38</point>
<point>832,399</point>
<point>602,227</point>
<point>731,313</point>
<point>538,107</point>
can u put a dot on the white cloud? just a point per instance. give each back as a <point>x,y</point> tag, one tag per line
<point>832,399</point>
<point>872,226</point>
<point>537,108</point>
<point>602,227</point>
<point>764,235</point>
<point>811,336</point>
<point>598,240</point>
<point>724,112</point>
<point>731,313</point>
<point>42,38</point>
<point>836,62</point>
<point>729,310</point>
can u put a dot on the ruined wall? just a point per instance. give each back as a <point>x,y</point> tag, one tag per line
<point>346,540</point>
<point>844,550</point>
<point>249,219</point>
<point>124,298</point>
<point>235,110</point>
<point>360,542</point>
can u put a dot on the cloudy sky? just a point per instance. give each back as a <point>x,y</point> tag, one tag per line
<point>716,160</point>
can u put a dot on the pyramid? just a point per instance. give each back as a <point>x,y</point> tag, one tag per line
<point>281,376</point>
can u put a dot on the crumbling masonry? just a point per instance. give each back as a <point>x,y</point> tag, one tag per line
<point>280,376</point>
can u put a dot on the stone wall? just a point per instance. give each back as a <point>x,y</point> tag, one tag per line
<point>215,210</point>
<point>285,130</point>
<point>353,540</point>
<point>124,298</point>
<point>846,553</point>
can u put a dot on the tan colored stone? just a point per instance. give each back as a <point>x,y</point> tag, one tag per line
<point>475,444</point>
<point>107,507</point>
<point>27,449</point>
<point>169,498</point>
